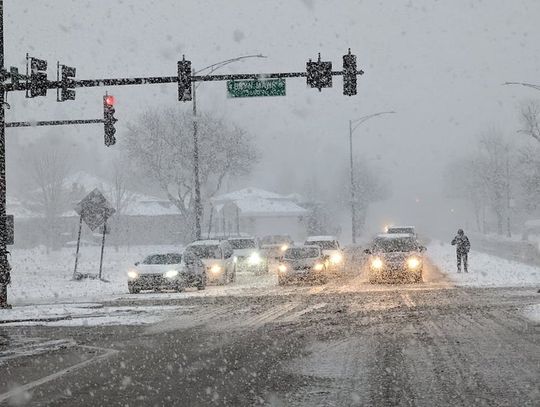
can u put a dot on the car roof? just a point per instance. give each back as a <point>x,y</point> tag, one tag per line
<point>242,238</point>
<point>305,246</point>
<point>393,235</point>
<point>205,243</point>
<point>320,238</point>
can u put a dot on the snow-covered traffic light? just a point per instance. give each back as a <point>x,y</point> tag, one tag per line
<point>184,80</point>
<point>349,74</point>
<point>67,83</point>
<point>38,77</point>
<point>319,74</point>
<point>109,120</point>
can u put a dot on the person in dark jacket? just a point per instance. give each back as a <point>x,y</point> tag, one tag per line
<point>461,241</point>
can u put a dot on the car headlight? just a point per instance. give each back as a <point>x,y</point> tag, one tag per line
<point>282,268</point>
<point>171,273</point>
<point>284,247</point>
<point>133,274</point>
<point>254,259</point>
<point>318,267</point>
<point>216,268</point>
<point>377,263</point>
<point>235,259</point>
<point>413,263</point>
<point>336,258</point>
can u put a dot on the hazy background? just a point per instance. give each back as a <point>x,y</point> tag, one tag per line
<point>440,65</point>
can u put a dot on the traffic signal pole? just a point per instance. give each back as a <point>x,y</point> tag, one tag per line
<point>5,269</point>
<point>196,169</point>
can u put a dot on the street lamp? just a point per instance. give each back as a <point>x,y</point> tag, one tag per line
<point>198,204</point>
<point>357,123</point>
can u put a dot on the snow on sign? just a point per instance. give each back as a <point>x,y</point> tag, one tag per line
<point>94,209</point>
<point>256,87</point>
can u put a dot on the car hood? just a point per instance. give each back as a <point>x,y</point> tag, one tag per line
<point>158,268</point>
<point>244,252</point>
<point>211,262</point>
<point>330,252</point>
<point>301,263</point>
<point>396,257</point>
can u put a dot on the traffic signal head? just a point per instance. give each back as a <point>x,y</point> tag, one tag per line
<point>349,74</point>
<point>109,120</point>
<point>319,74</point>
<point>38,77</point>
<point>184,80</point>
<point>67,83</point>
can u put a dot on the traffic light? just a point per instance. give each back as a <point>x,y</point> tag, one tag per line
<point>67,83</point>
<point>349,74</point>
<point>38,77</point>
<point>109,120</point>
<point>319,74</point>
<point>184,80</point>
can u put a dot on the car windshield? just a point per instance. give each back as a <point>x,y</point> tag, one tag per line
<point>400,230</point>
<point>205,251</point>
<point>242,243</point>
<point>170,258</point>
<point>402,244</point>
<point>276,240</point>
<point>325,244</point>
<point>301,253</point>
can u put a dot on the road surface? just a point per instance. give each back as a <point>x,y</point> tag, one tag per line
<point>345,343</point>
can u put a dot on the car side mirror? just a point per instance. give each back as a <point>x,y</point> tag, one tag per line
<point>367,251</point>
<point>422,249</point>
<point>137,263</point>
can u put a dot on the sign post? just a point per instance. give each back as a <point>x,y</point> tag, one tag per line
<point>94,210</point>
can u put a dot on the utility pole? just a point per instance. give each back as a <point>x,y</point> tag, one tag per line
<point>5,268</point>
<point>357,123</point>
<point>198,203</point>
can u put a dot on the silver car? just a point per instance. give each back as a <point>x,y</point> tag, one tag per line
<point>303,263</point>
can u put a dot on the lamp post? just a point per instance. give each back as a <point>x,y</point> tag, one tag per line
<point>357,123</point>
<point>196,169</point>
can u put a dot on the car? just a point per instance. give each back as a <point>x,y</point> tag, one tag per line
<point>303,263</point>
<point>330,247</point>
<point>273,246</point>
<point>247,255</point>
<point>217,257</point>
<point>172,271</point>
<point>394,257</point>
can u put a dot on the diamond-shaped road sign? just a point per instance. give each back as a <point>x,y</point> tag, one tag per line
<point>94,209</point>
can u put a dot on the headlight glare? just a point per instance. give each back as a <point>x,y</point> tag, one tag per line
<point>133,274</point>
<point>254,259</point>
<point>284,247</point>
<point>413,263</point>
<point>282,268</point>
<point>377,263</point>
<point>318,267</point>
<point>336,258</point>
<point>216,268</point>
<point>171,273</point>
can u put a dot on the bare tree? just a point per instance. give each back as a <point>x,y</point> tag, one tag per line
<point>160,146</point>
<point>48,171</point>
<point>530,118</point>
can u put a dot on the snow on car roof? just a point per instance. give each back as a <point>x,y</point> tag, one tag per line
<point>393,235</point>
<point>205,243</point>
<point>241,238</point>
<point>320,238</point>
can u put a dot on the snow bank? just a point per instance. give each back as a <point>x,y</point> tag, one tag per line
<point>533,313</point>
<point>485,270</point>
<point>40,277</point>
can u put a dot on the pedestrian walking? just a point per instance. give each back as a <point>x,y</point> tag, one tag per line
<point>461,241</point>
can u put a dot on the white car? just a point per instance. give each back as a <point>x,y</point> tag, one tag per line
<point>247,255</point>
<point>330,247</point>
<point>172,271</point>
<point>217,257</point>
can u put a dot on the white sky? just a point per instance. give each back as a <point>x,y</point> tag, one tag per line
<point>439,64</point>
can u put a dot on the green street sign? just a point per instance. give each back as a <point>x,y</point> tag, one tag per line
<point>256,87</point>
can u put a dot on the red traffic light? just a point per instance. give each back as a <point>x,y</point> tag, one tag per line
<point>109,100</point>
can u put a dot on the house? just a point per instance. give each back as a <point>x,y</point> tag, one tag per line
<point>257,212</point>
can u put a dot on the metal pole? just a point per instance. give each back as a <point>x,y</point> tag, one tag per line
<point>198,206</point>
<point>353,192</point>
<point>5,276</point>
<point>102,247</point>
<point>508,229</point>
<point>78,246</point>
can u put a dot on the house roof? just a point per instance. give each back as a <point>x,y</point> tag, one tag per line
<point>269,208</point>
<point>247,193</point>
